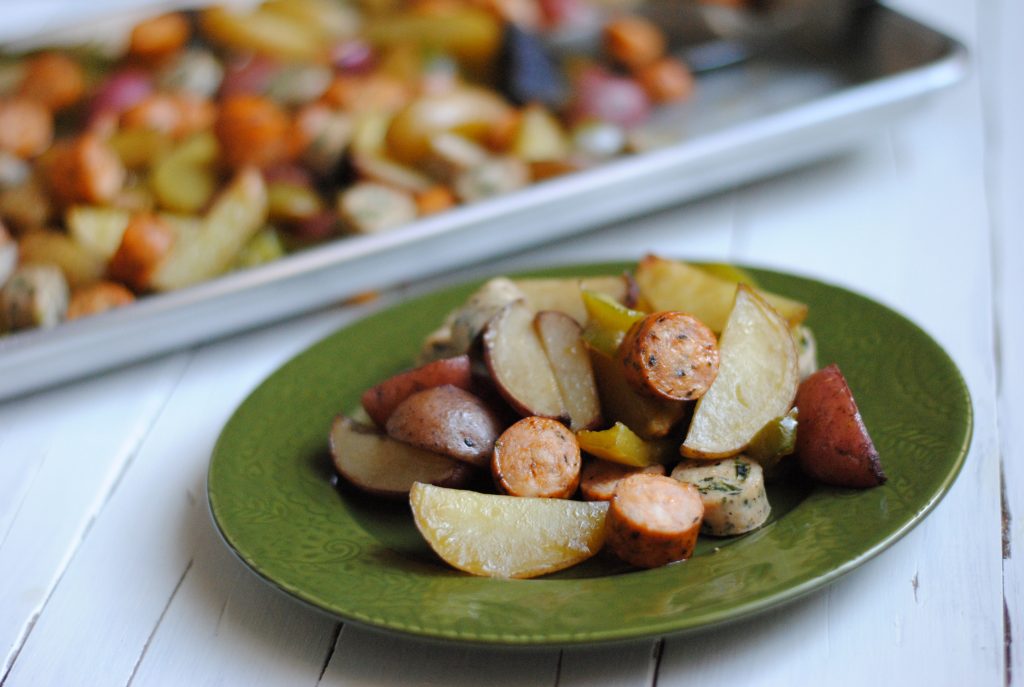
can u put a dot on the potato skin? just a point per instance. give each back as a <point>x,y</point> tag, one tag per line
<point>446,420</point>
<point>832,444</point>
<point>381,400</point>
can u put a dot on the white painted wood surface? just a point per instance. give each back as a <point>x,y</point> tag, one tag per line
<point>111,573</point>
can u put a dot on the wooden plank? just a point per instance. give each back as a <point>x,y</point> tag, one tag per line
<point>57,472</point>
<point>141,552</point>
<point>1001,55</point>
<point>872,218</point>
<point>367,657</point>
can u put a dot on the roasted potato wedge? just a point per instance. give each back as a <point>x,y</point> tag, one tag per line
<point>518,364</point>
<point>673,285</point>
<point>484,534</point>
<point>377,464</point>
<point>832,444</point>
<point>446,420</point>
<point>381,400</point>
<point>756,383</point>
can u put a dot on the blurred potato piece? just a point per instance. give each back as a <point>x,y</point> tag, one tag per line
<point>80,266</point>
<point>468,111</point>
<point>832,444</point>
<point>202,250</point>
<point>269,33</point>
<point>185,179</point>
<point>99,229</point>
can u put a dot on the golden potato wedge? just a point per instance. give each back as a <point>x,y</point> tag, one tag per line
<point>674,285</point>
<point>202,251</point>
<point>519,366</point>
<point>561,337</point>
<point>567,294</point>
<point>756,383</point>
<point>483,534</point>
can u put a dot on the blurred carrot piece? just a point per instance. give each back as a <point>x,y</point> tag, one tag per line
<point>97,298</point>
<point>26,127</point>
<point>86,169</point>
<point>146,241</point>
<point>253,130</point>
<point>666,80</point>
<point>54,80</point>
<point>434,199</point>
<point>160,36</point>
<point>633,41</point>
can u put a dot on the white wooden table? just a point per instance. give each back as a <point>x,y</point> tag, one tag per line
<point>111,572</point>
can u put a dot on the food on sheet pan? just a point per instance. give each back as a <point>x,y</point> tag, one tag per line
<point>217,139</point>
<point>550,394</point>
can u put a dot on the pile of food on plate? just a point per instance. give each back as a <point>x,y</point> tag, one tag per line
<point>218,139</point>
<point>627,413</point>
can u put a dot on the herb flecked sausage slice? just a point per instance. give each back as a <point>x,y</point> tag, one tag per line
<point>670,355</point>
<point>653,520</point>
<point>733,493</point>
<point>537,456</point>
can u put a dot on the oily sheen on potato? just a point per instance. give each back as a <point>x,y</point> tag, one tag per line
<point>756,383</point>
<point>484,534</point>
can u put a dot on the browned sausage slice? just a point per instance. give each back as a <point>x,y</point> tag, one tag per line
<point>653,520</point>
<point>599,478</point>
<point>670,355</point>
<point>537,456</point>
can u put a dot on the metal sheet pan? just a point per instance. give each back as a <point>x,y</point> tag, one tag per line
<point>780,104</point>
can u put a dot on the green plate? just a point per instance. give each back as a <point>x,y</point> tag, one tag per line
<point>275,500</point>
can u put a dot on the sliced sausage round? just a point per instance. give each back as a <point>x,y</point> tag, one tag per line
<point>670,355</point>
<point>537,456</point>
<point>599,478</point>
<point>653,520</point>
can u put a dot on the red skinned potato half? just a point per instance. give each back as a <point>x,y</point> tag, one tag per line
<point>832,444</point>
<point>381,400</point>
<point>446,420</point>
<point>377,464</point>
